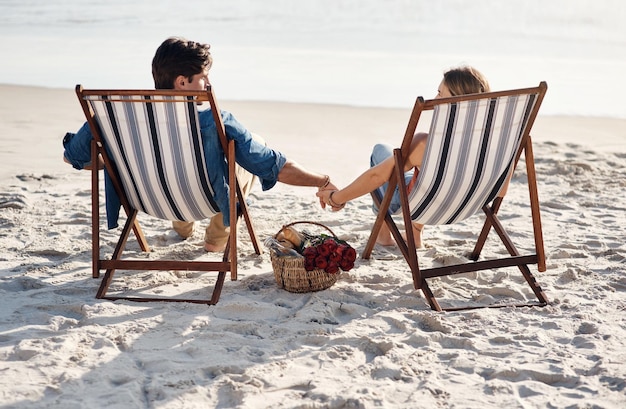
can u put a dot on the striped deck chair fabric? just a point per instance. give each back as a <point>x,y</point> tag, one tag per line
<point>158,151</point>
<point>469,155</point>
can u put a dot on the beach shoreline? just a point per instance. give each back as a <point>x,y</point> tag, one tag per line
<point>33,121</point>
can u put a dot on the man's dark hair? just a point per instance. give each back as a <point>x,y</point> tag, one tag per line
<point>178,56</point>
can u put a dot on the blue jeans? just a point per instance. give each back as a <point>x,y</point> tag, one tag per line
<point>380,153</point>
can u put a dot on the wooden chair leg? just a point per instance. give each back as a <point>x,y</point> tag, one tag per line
<point>430,297</point>
<point>246,216</point>
<point>371,242</point>
<point>383,216</point>
<point>534,205</point>
<point>508,243</point>
<point>117,253</point>
<point>482,237</point>
<point>95,215</point>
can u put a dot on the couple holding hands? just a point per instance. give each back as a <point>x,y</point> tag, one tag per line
<point>181,64</point>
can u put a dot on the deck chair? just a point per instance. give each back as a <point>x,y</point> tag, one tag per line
<point>474,145</point>
<point>151,147</point>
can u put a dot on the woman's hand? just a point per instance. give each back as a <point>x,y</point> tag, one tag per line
<point>325,196</point>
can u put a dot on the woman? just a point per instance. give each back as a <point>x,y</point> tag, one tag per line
<point>457,81</point>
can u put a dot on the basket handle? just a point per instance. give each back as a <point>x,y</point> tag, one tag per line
<point>307,222</point>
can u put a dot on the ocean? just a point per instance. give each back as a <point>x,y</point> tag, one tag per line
<point>357,52</point>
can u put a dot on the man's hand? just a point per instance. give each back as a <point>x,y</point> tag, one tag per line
<point>324,196</point>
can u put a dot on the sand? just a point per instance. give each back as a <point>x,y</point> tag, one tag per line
<point>368,341</point>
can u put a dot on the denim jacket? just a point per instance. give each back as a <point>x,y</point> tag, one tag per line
<point>253,156</point>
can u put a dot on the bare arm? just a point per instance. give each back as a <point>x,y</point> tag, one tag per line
<point>375,176</point>
<point>369,180</point>
<point>294,174</point>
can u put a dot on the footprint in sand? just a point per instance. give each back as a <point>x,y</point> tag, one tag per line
<point>12,201</point>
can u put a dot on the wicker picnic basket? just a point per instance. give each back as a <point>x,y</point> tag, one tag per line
<point>290,274</point>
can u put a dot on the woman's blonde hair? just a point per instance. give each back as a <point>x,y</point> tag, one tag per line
<point>465,80</point>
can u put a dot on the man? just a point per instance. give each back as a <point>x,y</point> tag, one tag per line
<point>181,64</point>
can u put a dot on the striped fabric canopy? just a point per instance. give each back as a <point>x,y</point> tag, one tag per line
<point>156,145</point>
<point>469,156</point>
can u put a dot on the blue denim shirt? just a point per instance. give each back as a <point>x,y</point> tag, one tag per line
<point>251,155</point>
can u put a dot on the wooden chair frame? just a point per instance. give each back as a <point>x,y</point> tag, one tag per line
<point>407,247</point>
<point>110,265</point>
